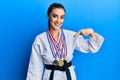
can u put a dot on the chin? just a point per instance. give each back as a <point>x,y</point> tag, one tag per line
<point>57,27</point>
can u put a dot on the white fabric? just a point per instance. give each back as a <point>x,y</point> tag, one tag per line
<point>41,54</point>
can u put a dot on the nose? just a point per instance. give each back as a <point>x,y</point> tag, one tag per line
<point>58,20</point>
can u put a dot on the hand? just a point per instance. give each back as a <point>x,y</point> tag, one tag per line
<point>86,32</point>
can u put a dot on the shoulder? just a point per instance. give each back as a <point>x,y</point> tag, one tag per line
<point>40,37</point>
<point>68,32</point>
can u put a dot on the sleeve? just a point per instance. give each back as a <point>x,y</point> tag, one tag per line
<point>89,45</point>
<point>35,69</point>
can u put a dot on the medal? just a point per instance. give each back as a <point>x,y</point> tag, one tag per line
<point>58,63</point>
<point>55,63</point>
<point>61,63</point>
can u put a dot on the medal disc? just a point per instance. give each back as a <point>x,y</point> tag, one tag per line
<point>61,63</point>
<point>55,63</point>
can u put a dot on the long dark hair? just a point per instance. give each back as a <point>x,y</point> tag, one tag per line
<point>52,6</point>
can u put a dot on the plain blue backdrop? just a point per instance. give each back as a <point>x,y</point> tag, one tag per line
<point>22,20</point>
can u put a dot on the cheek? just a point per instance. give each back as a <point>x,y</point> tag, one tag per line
<point>52,19</point>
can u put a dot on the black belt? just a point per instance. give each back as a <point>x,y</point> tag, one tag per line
<point>63,68</point>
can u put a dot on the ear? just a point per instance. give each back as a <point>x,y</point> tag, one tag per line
<point>48,16</point>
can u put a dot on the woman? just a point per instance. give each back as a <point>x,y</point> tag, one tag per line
<point>52,51</point>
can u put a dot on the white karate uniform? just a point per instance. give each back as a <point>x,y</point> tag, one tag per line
<point>41,54</point>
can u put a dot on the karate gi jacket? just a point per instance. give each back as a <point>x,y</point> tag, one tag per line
<point>41,54</point>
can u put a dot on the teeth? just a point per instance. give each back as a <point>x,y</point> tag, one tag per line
<point>57,24</point>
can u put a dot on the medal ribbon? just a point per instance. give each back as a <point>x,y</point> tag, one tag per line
<point>58,49</point>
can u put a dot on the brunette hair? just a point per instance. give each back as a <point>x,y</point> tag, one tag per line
<point>55,5</point>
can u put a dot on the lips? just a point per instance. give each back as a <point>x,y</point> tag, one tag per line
<point>57,25</point>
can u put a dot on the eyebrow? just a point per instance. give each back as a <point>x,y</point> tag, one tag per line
<point>57,15</point>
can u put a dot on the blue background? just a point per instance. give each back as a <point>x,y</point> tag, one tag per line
<point>22,20</point>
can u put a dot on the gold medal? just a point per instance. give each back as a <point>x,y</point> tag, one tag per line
<point>61,63</point>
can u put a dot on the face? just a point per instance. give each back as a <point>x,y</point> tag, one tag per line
<point>56,18</point>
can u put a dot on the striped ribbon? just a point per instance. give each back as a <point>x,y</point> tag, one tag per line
<point>59,48</point>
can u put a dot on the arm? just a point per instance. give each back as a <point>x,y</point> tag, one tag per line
<point>92,44</point>
<point>35,69</point>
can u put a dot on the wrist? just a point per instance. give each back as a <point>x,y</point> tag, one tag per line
<point>92,35</point>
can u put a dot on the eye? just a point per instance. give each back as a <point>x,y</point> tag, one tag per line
<point>62,17</point>
<point>54,16</point>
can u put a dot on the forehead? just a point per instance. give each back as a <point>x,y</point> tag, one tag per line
<point>58,11</point>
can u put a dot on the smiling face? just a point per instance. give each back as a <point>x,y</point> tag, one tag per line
<point>56,18</point>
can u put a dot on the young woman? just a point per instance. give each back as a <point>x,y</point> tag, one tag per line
<point>52,51</point>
